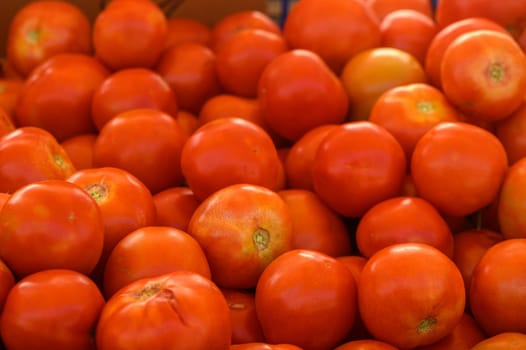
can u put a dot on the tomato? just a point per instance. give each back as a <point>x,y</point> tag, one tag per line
<point>403,220</point>
<point>496,297</point>
<point>372,72</point>
<point>229,151</point>
<point>297,92</point>
<point>181,30</point>
<point>63,300</point>
<point>510,132</point>
<point>356,166</point>
<point>408,111</point>
<point>384,7</point>
<point>264,346</point>
<point>312,24</point>
<point>151,251</point>
<point>410,294</point>
<point>190,71</point>
<point>502,341</point>
<point>458,167</point>
<point>365,344</point>
<point>243,57</point>
<point>188,121</point>
<point>128,89</point>
<point>315,225</point>
<point>408,30</point>
<point>6,122</point>
<point>483,73</point>
<point>57,95</point>
<point>10,90</point>
<point>147,143</point>
<point>257,229</point>
<point>245,324</point>
<point>7,281</point>
<point>42,29</point>
<point>175,207</point>
<point>29,245</point>
<point>445,36</point>
<point>80,149</point>
<point>44,158</point>
<point>511,202</point>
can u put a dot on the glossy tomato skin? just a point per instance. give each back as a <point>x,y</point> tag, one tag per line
<point>51,224</point>
<point>383,7</point>
<point>510,132</point>
<point>175,207</point>
<point>366,344</point>
<point>502,341</point>
<point>245,323</point>
<point>57,95</point>
<point>297,91</point>
<point>356,166</point>
<point>306,298</point>
<point>42,29</point>
<point>7,281</point>
<point>179,310</point>
<point>458,167</point>
<point>264,346</point>
<point>80,150</point>
<point>510,202</point>
<point>63,300</point>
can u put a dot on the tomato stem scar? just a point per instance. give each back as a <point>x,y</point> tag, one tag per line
<point>426,325</point>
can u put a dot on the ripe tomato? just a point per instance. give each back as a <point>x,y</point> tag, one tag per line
<point>181,310</point>
<point>365,344</point>
<point>6,122</point>
<point>403,220</point>
<point>483,73</point>
<point>151,251</point>
<point>243,57</point>
<point>44,158</point>
<point>188,121</point>
<point>496,297</point>
<point>229,151</point>
<point>7,280</point>
<point>146,142</point>
<point>63,300</point>
<point>128,34</point>
<point>190,71</point>
<point>57,95</point>
<point>297,92</point>
<point>264,346</point>
<point>502,341</point>
<point>50,224</point>
<point>315,226</point>
<point>511,204</point>
<point>181,30</point>
<point>175,207</point>
<point>312,24</point>
<point>510,132</point>
<point>408,111</point>
<point>255,226</point>
<point>245,323</point>
<point>372,72</point>
<point>384,7</point>
<point>128,89</point>
<point>80,150</point>
<point>356,166</point>
<point>458,167</point>
<point>410,294</point>
<point>306,298</point>
<point>445,36</point>
<point>42,29</point>
<point>10,90</point>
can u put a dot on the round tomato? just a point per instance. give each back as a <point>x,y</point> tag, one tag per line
<point>502,341</point>
<point>245,323</point>
<point>410,294</point>
<point>175,207</point>
<point>511,131</point>
<point>6,122</point>
<point>63,300</point>
<point>511,202</point>
<point>80,150</point>
<point>366,344</point>
<point>7,281</point>
<point>10,90</point>
<point>182,29</point>
<point>306,298</point>
<point>264,346</point>
<point>384,7</point>
<point>181,310</point>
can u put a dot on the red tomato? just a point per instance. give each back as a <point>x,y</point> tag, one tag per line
<point>181,310</point>
<point>410,294</point>
<point>229,151</point>
<point>483,73</point>
<point>312,25</point>
<point>306,298</point>
<point>51,224</point>
<point>63,300</point>
<point>298,92</point>
<point>245,323</point>
<point>128,89</point>
<point>80,150</point>
<point>496,294</point>
<point>129,34</point>
<point>10,90</point>
<point>264,346</point>
<point>147,143</point>
<point>384,7</point>
<point>57,95</point>
<point>44,158</point>
<point>511,131</point>
<point>356,166</point>
<point>175,207</point>
<point>403,220</point>
<point>511,204</point>
<point>181,30</point>
<point>365,344</point>
<point>258,228</point>
<point>42,29</point>
<point>7,281</point>
<point>502,341</point>
<point>188,121</point>
<point>6,122</point>
<point>458,167</point>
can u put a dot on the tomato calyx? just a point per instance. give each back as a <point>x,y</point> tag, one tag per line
<point>426,325</point>
<point>98,191</point>
<point>261,238</point>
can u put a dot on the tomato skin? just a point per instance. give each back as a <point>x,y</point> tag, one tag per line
<point>306,298</point>
<point>181,30</point>
<point>80,150</point>
<point>511,202</point>
<point>29,245</point>
<point>175,206</point>
<point>245,324</point>
<point>179,310</point>
<point>502,341</point>
<point>66,301</point>
<point>7,281</point>
<point>376,172</point>
<point>365,344</point>
<point>264,346</point>
<point>42,29</point>
<point>510,132</point>
<point>10,89</point>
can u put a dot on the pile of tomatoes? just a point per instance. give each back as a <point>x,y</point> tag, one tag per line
<point>354,179</point>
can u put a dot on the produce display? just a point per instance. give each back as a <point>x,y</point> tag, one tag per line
<point>353,178</point>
